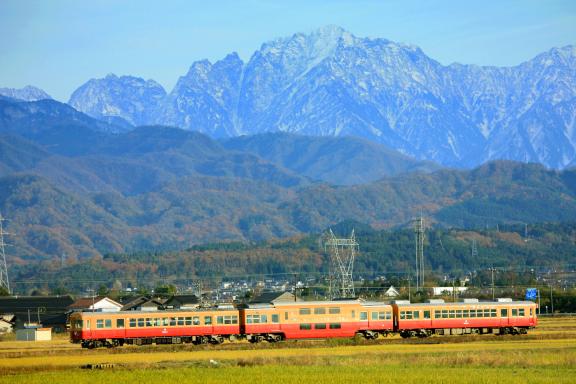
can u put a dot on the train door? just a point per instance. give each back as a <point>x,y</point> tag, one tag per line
<point>513,320</point>
<point>504,313</point>
<point>88,329</point>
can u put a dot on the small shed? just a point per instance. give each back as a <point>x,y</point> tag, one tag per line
<point>34,334</point>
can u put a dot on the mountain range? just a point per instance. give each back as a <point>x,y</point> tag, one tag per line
<point>313,130</point>
<point>332,83</point>
<point>74,185</point>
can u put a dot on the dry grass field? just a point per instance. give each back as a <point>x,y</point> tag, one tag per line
<point>546,355</point>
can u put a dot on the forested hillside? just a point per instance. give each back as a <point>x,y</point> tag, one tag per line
<point>386,253</point>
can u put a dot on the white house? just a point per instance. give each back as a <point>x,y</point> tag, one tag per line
<point>100,304</point>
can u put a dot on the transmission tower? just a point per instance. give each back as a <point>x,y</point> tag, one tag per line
<point>342,255</point>
<point>4,282</point>
<point>474,250</point>
<point>419,238</point>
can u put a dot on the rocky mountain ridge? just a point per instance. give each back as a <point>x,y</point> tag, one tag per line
<point>332,83</point>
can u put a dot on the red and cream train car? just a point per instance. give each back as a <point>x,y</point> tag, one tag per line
<point>315,319</point>
<point>97,329</point>
<point>472,316</point>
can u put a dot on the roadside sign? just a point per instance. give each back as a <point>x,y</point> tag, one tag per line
<point>531,293</point>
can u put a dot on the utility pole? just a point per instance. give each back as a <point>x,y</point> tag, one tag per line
<point>419,232</point>
<point>492,272</point>
<point>4,282</point>
<point>551,300</point>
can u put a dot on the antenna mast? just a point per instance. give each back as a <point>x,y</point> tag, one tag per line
<point>4,282</point>
<point>342,255</point>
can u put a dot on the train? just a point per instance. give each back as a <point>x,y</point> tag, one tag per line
<point>274,322</point>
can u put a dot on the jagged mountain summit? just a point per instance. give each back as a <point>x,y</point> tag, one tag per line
<point>332,83</point>
<point>28,93</point>
<point>126,97</point>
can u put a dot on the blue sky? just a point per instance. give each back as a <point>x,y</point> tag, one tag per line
<point>59,44</point>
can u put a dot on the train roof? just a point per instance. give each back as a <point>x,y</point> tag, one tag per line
<point>461,303</point>
<point>333,303</point>
<point>154,313</point>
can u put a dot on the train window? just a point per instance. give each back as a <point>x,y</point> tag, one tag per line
<point>253,319</point>
<point>487,313</point>
<point>180,321</point>
<point>452,313</point>
<point>514,312</point>
<point>388,315</point>
<point>374,315</point>
<point>416,314</point>
<point>363,315</point>
<point>304,311</point>
<point>275,318</point>
<point>305,327</point>
<point>493,313</point>
<point>141,322</point>
<point>426,314</point>
<point>192,320</point>
<point>320,326</point>
<point>172,321</point>
<point>353,314</point>
<point>166,321</point>
<point>207,320</point>
<point>285,315</point>
<point>320,311</point>
<point>521,312</point>
<point>437,314</point>
<point>100,323</point>
<point>458,313</point>
<point>444,313</point>
<point>78,324</point>
<point>229,319</point>
<point>119,323</point>
<point>402,315</point>
<point>466,313</point>
<point>220,319</point>
<point>334,310</point>
<point>472,313</point>
<point>148,322</point>
<point>264,319</point>
<point>382,315</point>
<point>335,326</point>
<point>504,312</point>
<point>108,323</point>
<point>132,323</point>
